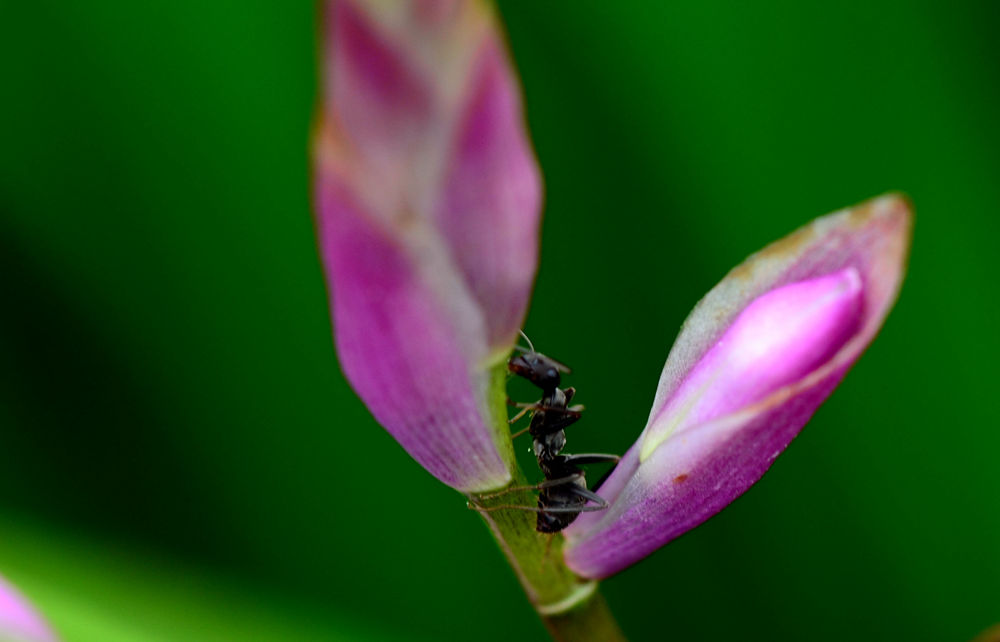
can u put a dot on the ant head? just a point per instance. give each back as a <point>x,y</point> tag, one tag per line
<point>537,368</point>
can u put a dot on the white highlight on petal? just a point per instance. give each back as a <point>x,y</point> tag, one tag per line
<point>779,338</point>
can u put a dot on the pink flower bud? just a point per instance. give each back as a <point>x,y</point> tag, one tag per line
<point>428,200</point>
<point>752,363</point>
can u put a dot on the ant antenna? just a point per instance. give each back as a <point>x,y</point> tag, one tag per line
<point>530,344</point>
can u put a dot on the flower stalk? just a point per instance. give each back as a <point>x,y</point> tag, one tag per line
<point>571,607</point>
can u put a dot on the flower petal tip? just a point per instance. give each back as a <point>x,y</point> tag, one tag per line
<point>19,622</point>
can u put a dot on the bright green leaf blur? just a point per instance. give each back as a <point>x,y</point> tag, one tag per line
<point>168,386</point>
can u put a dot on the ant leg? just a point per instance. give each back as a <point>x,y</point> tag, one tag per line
<point>599,502</point>
<point>573,411</point>
<point>590,495</point>
<point>561,419</point>
<point>548,483</point>
<point>559,481</point>
<point>513,420</point>
<point>552,428</point>
<point>520,432</point>
<point>524,406</point>
<point>538,405</point>
<point>536,509</point>
<point>604,478</point>
<point>591,458</point>
<point>595,458</point>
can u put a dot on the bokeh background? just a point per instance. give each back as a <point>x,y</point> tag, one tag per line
<point>181,459</point>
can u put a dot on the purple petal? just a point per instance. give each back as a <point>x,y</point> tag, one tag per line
<point>492,196</point>
<point>400,349</point>
<point>428,206</point>
<point>378,98</point>
<point>688,475</point>
<point>18,620</point>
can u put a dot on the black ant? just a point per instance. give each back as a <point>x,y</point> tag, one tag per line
<point>564,493</point>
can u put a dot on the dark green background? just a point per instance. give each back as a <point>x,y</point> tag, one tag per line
<point>180,457</point>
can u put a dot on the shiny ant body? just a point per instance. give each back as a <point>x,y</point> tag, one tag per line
<point>563,495</point>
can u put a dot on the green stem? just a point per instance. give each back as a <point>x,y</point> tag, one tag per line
<point>571,607</point>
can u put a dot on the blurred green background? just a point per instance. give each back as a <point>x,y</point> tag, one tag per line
<point>181,459</point>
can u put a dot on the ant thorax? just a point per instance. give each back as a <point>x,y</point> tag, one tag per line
<point>558,399</point>
<point>548,446</point>
<point>553,405</point>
